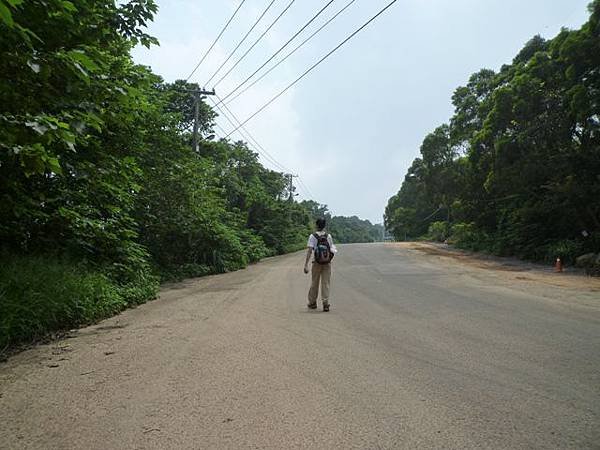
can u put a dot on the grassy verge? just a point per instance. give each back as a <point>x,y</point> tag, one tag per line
<point>42,295</point>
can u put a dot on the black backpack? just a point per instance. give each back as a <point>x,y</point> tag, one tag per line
<point>322,249</point>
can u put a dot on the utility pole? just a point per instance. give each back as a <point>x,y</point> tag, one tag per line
<point>291,186</point>
<point>197,94</point>
<point>197,98</point>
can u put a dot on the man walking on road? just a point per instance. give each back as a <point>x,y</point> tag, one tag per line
<point>320,244</point>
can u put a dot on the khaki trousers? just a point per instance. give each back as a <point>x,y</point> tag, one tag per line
<point>322,273</point>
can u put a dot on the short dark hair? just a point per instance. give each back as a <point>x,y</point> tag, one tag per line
<point>321,223</point>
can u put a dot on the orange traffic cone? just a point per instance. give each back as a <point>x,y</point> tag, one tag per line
<point>558,266</point>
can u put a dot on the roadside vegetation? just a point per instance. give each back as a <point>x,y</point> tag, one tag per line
<point>516,171</point>
<point>102,196</point>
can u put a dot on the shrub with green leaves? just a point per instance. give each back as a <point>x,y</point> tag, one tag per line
<point>40,295</point>
<point>438,231</point>
<point>567,250</point>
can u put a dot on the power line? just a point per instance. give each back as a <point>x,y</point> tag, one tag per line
<point>289,54</point>
<point>273,160</point>
<point>304,191</point>
<point>282,47</point>
<point>264,153</point>
<point>432,214</point>
<point>241,42</point>
<point>248,137</point>
<point>257,144</point>
<point>305,187</point>
<point>221,129</point>
<point>252,137</point>
<point>317,63</point>
<point>215,41</point>
<point>253,146</point>
<point>256,42</point>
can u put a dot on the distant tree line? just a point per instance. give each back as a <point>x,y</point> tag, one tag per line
<point>516,171</point>
<point>345,230</point>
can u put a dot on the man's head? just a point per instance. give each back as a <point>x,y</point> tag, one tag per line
<point>321,224</point>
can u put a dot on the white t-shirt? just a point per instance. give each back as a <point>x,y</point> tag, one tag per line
<point>312,241</point>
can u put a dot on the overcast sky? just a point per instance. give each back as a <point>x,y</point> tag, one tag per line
<point>352,127</point>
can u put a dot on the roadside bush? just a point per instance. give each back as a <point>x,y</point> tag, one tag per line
<point>567,250</point>
<point>591,242</point>
<point>40,295</point>
<point>463,234</point>
<point>253,245</point>
<point>294,247</point>
<point>140,287</point>
<point>438,231</point>
<point>183,271</point>
<point>227,253</point>
<point>468,237</point>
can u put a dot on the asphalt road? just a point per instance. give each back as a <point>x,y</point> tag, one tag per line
<point>415,353</point>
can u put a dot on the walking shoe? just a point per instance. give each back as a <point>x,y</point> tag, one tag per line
<point>312,306</point>
<point>326,308</point>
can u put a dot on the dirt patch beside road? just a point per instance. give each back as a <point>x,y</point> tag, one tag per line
<point>511,268</point>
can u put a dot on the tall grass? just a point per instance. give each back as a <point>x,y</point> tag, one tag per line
<point>41,295</point>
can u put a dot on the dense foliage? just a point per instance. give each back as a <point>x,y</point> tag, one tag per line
<point>517,169</point>
<point>101,193</point>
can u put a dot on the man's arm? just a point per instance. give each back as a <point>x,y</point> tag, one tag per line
<point>309,251</point>
<point>331,244</point>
